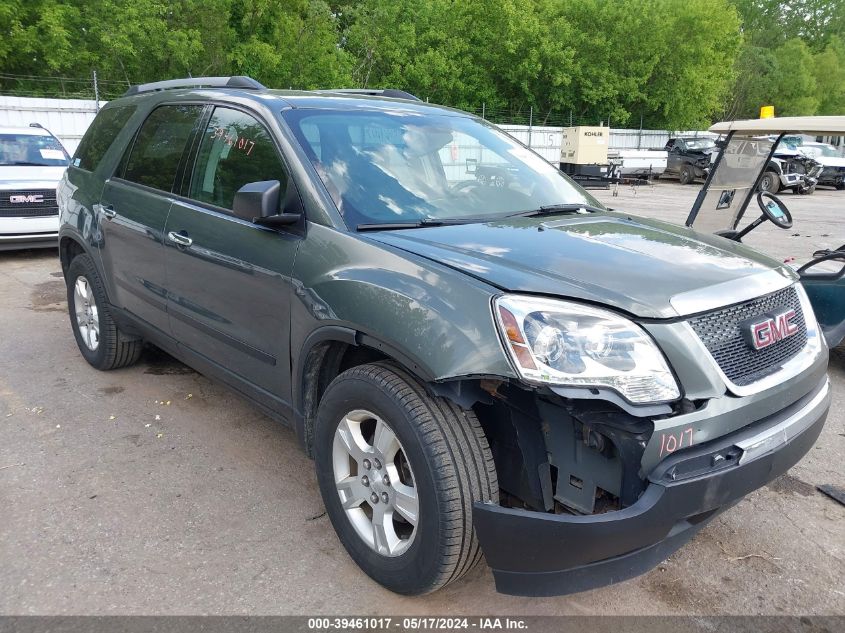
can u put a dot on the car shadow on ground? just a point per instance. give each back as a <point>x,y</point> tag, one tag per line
<point>29,253</point>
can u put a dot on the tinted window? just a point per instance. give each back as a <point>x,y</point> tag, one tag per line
<point>235,150</point>
<point>158,148</point>
<point>100,136</point>
<point>31,149</point>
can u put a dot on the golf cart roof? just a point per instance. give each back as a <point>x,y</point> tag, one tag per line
<point>821,125</point>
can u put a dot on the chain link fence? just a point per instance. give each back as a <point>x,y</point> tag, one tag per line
<point>91,87</point>
<point>532,117</point>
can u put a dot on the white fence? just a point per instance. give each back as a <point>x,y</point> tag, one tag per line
<point>646,139</point>
<point>66,118</point>
<point>69,118</point>
<point>545,141</point>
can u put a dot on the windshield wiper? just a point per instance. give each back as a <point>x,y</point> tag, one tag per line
<point>417,224</point>
<point>21,163</point>
<point>553,209</point>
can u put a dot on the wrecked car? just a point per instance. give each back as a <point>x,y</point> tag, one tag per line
<point>688,158</point>
<point>497,369</point>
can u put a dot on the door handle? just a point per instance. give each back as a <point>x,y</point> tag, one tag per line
<point>179,239</point>
<point>109,212</point>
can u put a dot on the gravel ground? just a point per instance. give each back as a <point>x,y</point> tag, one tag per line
<point>153,490</point>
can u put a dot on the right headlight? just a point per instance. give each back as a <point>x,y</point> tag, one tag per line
<point>563,343</point>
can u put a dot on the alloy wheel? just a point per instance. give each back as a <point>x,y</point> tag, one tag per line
<point>87,316</point>
<point>375,483</point>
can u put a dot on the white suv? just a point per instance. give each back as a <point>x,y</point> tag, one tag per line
<point>32,162</point>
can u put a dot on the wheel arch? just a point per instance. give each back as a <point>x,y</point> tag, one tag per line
<point>330,350</point>
<point>69,247</point>
<point>775,166</point>
<point>326,353</point>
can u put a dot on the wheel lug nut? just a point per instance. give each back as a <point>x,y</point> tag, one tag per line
<point>365,480</point>
<point>384,497</point>
<point>386,480</point>
<point>374,498</point>
<point>377,464</point>
<point>367,464</point>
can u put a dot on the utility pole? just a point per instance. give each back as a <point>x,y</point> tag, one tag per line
<point>96,92</point>
<point>530,123</point>
<point>640,137</point>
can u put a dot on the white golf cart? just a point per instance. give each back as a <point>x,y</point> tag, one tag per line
<point>734,181</point>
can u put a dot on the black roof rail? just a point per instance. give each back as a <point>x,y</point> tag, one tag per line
<point>387,92</point>
<point>236,81</point>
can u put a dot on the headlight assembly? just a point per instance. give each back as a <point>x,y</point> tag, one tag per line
<point>563,343</point>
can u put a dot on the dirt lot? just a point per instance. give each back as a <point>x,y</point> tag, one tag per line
<point>153,490</point>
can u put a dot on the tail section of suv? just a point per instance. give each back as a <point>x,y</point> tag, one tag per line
<point>31,163</point>
<point>506,370</point>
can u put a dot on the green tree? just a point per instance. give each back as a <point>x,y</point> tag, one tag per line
<point>289,43</point>
<point>497,52</point>
<point>784,77</point>
<point>829,73</point>
<point>770,23</point>
<point>667,62</point>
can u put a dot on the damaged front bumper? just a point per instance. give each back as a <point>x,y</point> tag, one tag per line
<point>542,554</point>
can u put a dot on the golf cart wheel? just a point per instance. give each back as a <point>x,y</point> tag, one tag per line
<point>770,182</point>
<point>686,175</point>
<point>99,339</point>
<point>399,471</point>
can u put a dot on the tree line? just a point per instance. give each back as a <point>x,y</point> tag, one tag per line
<point>676,64</point>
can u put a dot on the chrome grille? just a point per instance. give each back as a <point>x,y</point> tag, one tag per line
<point>44,207</point>
<point>721,334</point>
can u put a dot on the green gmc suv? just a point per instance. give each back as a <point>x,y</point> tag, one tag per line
<point>494,366</point>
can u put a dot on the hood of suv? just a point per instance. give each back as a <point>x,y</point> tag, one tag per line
<point>30,177</point>
<point>830,161</point>
<point>647,268</point>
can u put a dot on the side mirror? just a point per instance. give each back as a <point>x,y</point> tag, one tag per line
<point>258,202</point>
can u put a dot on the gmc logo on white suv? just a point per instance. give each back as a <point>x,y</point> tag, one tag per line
<point>31,199</point>
<point>764,333</point>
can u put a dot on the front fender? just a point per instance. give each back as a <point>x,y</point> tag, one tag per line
<point>435,317</point>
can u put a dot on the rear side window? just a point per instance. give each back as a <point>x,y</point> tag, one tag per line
<point>100,136</point>
<point>236,149</point>
<point>154,157</point>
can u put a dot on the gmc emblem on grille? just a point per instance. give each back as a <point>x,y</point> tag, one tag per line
<point>31,199</point>
<point>768,331</point>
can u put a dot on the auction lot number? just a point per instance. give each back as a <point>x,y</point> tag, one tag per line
<point>415,623</point>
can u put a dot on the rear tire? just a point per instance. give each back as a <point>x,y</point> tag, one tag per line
<point>686,176</point>
<point>99,339</point>
<point>449,468</point>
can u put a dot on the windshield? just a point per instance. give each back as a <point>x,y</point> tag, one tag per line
<point>388,167</point>
<point>31,149</point>
<point>700,143</point>
<point>729,185</point>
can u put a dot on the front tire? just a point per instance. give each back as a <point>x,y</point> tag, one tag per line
<point>99,339</point>
<point>770,182</point>
<point>399,472</point>
<point>686,176</point>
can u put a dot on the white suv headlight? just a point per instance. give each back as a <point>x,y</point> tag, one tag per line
<point>563,343</point>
